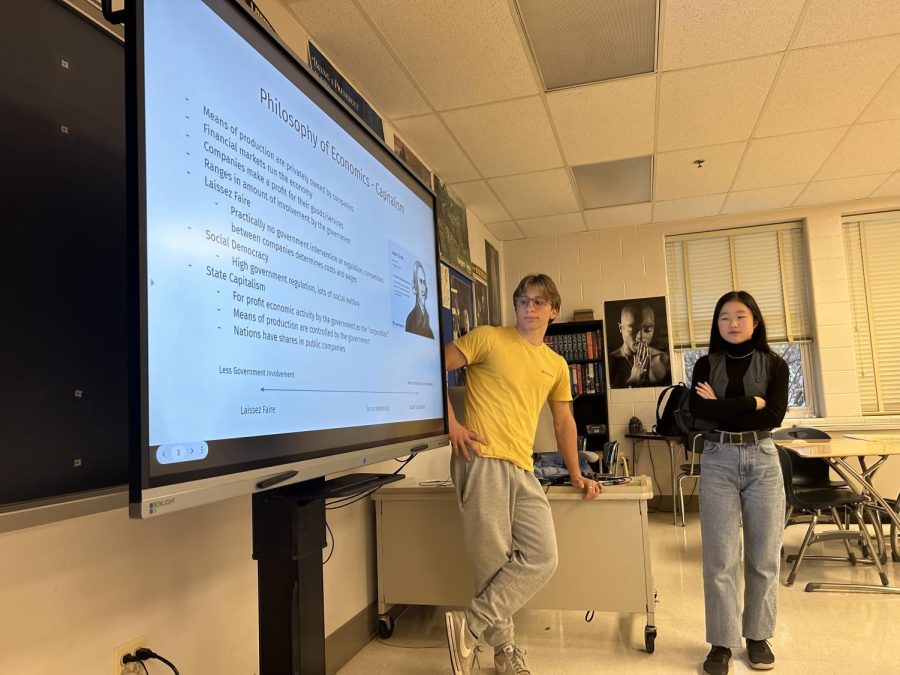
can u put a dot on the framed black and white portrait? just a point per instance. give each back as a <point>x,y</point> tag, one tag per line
<point>637,343</point>
<point>458,314</point>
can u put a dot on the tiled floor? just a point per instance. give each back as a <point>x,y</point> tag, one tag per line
<point>817,634</point>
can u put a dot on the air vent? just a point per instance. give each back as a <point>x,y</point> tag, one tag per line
<point>576,42</point>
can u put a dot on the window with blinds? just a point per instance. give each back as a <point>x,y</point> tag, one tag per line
<point>766,261</point>
<point>873,276</point>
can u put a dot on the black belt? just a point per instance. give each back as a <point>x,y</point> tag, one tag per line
<point>736,437</point>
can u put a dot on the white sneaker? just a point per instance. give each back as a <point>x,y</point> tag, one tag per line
<point>463,646</point>
<point>510,660</point>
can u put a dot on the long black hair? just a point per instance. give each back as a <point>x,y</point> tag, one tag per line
<point>717,343</point>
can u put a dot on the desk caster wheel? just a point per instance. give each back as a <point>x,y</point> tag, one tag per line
<point>650,638</point>
<point>385,627</point>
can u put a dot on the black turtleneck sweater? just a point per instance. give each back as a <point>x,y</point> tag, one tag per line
<point>737,411</point>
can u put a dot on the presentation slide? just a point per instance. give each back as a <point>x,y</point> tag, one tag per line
<point>290,281</point>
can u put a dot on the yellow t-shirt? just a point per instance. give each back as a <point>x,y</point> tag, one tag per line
<point>507,382</point>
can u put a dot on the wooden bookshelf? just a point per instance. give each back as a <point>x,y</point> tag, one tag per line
<point>580,343</point>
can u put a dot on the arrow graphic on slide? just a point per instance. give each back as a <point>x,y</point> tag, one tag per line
<point>341,391</point>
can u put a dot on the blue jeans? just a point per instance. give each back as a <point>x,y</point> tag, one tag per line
<point>741,483</point>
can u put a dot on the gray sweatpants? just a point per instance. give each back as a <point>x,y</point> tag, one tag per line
<point>509,535</point>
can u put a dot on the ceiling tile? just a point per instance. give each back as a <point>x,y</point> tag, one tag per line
<point>713,104</point>
<point>499,148</point>
<point>886,104</point>
<point>478,196</point>
<point>677,176</point>
<point>349,42</point>
<point>461,53</point>
<point>824,87</point>
<point>429,139</point>
<point>866,149</point>
<point>530,195</point>
<point>549,225</point>
<point>711,31</point>
<point>786,160</point>
<point>761,200</point>
<point>606,121</point>
<point>841,20</point>
<point>889,188</point>
<point>618,216</point>
<point>505,231</point>
<point>682,209</point>
<point>842,189</point>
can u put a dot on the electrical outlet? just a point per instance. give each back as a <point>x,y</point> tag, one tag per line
<point>127,648</point>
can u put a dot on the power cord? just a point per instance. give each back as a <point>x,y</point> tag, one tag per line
<point>350,499</point>
<point>331,552</point>
<point>445,482</point>
<point>656,507</point>
<point>142,654</point>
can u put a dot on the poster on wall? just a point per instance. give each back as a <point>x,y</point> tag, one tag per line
<point>492,259</point>
<point>457,312</point>
<point>453,230</point>
<point>326,72</point>
<point>480,289</point>
<point>637,343</point>
<point>412,162</point>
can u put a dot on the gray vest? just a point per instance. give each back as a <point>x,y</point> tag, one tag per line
<point>756,379</point>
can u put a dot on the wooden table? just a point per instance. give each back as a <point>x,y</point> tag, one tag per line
<point>836,452</point>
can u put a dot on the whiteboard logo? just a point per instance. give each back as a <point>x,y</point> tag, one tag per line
<point>156,506</point>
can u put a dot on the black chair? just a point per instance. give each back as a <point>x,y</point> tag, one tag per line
<point>813,502</point>
<point>811,473</point>
<point>693,446</point>
<point>808,473</point>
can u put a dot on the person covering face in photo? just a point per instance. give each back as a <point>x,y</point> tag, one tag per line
<point>636,363</point>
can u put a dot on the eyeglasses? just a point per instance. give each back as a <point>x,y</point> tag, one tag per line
<point>523,301</point>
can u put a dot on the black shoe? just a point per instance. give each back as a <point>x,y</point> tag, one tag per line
<point>760,654</point>
<point>718,661</point>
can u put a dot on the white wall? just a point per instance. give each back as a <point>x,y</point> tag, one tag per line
<point>72,591</point>
<point>617,263</point>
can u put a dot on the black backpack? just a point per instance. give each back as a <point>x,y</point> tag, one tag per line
<point>673,411</point>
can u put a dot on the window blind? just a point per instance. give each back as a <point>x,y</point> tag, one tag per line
<point>873,274</point>
<point>766,261</point>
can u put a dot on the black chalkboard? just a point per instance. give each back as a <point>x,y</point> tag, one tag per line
<point>63,415</point>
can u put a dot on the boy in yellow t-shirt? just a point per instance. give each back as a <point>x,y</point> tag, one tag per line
<point>507,524</point>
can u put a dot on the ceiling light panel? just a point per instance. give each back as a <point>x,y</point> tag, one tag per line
<point>576,42</point>
<point>624,181</point>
